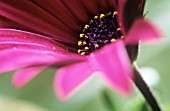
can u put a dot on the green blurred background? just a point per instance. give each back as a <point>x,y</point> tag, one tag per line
<point>38,95</point>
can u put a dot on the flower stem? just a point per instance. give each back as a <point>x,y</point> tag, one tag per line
<point>145,90</point>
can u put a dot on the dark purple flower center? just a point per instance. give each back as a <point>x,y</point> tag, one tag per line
<point>101,30</point>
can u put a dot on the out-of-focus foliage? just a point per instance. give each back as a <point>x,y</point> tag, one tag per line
<point>39,96</point>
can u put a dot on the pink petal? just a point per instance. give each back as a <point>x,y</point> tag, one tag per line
<point>21,14</point>
<point>70,78</point>
<point>22,77</point>
<point>112,60</point>
<point>19,49</point>
<point>17,38</point>
<point>13,59</point>
<point>142,30</point>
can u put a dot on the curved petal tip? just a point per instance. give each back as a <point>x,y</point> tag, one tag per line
<point>22,77</point>
<point>143,30</point>
<point>70,78</point>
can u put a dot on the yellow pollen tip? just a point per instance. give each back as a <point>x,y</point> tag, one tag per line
<point>118,29</point>
<point>81,35</point>
<point>91,21</point>
<point>115,13</point>
<point>109,13</point>
<point>86,48</point>
<point>84,43</point>
<point>83,53</point>
<point>96,46</point>
<point>102,15</point>
<point>79,43</point>
<point>96,17</point>
<point>122,37</point>
<point>86,37</point>
<point>79,51</point>
<point>86,26</point>
<point>113,40</point>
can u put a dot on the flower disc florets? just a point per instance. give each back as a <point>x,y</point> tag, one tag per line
<point>101,30</point>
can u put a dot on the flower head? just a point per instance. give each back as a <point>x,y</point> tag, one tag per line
<point>79,37</point>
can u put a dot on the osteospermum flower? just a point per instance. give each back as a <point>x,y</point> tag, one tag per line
<point>78,36</point>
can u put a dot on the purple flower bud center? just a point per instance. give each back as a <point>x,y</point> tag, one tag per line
<point>101,30</point>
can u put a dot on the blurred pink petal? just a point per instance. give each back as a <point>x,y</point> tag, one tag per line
<point>70,78</point>
<point>112,60</point>
<point>142,30</point>
<point>22,77</point>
